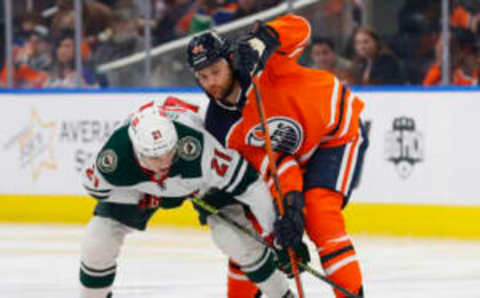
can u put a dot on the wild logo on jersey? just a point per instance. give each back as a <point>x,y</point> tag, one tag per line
<point>404,146</point>
<point>107,161</point>
<point>189,148</point>
<point>286,134</point>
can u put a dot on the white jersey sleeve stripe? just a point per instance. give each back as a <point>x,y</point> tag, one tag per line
<point>286,166</point>
<point>343,166</point>
<point>296,51</point>
<point>332,269</point>
<point>264,166</point>
<point>333,102</point>
<point>304,42</point>
<point>348,117</point>
<point>239,177</point>
<point>305,157</point>
<point>282,170</point>
<point>354,161</point>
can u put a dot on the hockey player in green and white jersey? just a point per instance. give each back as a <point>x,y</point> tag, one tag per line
<point>158,159</point>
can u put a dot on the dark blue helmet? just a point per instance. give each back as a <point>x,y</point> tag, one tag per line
<point>206,49</point>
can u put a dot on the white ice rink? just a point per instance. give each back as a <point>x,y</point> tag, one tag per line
<point>42,261</point>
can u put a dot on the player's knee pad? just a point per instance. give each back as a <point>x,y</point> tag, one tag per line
<point>255,260</point>
<point>100,248</point>
<point>231,241</point>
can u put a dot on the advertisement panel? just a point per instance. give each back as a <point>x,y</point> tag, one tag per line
<point>422,148</point>
<point>422,144</point>
<point>45,139</point>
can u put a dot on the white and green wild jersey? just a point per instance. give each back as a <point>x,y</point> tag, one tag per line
<point>201,164</point>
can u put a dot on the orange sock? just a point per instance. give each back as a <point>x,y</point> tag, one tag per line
<point>238,284</point>
<point>341,265</point>
<point>325,226</point>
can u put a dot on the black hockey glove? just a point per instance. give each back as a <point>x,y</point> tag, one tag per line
<point>282,259</point>
<point>252,51</point>
<point>288,230</point>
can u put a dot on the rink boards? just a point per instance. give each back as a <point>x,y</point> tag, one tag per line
<point>419,175</point>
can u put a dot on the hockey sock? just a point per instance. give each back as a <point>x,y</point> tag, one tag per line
<point>325,226</point>
<point>264,273</point>
<point>96,283</point>
<point>238,284</point>
<point>341,265</point>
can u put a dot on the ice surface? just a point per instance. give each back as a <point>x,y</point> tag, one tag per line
<point>43,261</point>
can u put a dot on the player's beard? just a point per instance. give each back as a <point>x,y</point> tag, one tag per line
<point>225,91</point>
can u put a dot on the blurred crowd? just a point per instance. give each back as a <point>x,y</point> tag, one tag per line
<point>44,48</point>
<point>412,55</point>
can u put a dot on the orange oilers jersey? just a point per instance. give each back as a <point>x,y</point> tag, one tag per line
<point>433,76</point>
<point>460,78</point>
<point>460,18</point>
<point>305,108</point>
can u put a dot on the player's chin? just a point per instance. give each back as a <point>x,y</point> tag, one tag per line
<point>218,94</point>
<point>213,94</point>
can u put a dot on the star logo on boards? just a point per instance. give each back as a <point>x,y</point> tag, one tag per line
<point>36,145</point>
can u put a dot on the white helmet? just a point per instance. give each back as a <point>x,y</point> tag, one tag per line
<point>152,133</point>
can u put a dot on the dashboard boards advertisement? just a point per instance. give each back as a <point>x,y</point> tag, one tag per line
<point>422,149</point>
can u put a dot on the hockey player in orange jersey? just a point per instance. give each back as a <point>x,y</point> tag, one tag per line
<point>315,127</point>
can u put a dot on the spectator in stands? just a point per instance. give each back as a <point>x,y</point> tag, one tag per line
<point>466,15</point>
<point>36,52</point>
<point>29,23</point>
<point>2,34</point>
<point>466,74</point>
<point>122,39</point>
<point>168,24</point>
<point>433,75</point>
<point>64,18</point>
<point>205,14</point>
<point>246,8</point>
<point>98,18</point>
<point>374,62</point>
<point>95,20</point>
<point>464,62</point>
<point>109,3</point>
<point>336,19</point>
<point>23,7</point>
<point>418,27</point>
<point>323,56</point>
<point>31,61</point>
<point>63,74</point>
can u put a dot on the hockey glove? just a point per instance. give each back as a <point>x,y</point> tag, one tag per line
<point>288,230</point>
<point>282,259</point>
<point>252,51</point>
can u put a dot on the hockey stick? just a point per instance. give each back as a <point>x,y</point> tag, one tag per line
<point>214,211</point>
<point>273,170</point>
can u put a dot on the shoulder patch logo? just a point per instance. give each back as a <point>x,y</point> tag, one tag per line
<point>189,148</point>
<point>286,134</point>
<point>107,161</point>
